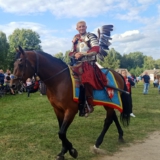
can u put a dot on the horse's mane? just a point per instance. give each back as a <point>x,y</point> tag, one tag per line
<point>51,58</point>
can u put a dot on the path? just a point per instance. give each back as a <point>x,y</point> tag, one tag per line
<point>145,150</point>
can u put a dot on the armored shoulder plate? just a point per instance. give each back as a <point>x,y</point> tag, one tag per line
<point>93,39</point>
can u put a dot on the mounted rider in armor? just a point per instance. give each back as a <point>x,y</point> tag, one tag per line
<point>86,47</point>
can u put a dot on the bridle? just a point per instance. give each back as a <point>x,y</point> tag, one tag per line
<point>36,68</point>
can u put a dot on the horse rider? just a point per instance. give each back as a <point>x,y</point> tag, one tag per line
<point>84,50</point>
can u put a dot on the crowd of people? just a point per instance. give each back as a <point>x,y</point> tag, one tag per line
<point>32,84</point>
<point>5,80</point>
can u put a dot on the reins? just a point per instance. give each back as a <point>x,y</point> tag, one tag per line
<point>36,68</point>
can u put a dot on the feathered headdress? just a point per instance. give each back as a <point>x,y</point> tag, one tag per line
<point>104,37</point>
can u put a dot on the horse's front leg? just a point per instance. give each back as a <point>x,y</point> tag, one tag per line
<point>64,122</point>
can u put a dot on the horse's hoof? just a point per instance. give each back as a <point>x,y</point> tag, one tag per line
<point>121,140</point>
<point>96,150</point>
<point>73,152</point>
<point>86,115</point>
<point>59,158</point>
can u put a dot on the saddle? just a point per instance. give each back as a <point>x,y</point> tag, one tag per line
<point>77,69</point>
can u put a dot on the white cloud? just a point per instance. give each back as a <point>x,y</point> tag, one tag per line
<point>49,42</point>
<point>128,36</point>
<point>58,8</point>
<point>145,41</point>
<point>53,45</point>
<point>10,27</point>
<point>73,8</point>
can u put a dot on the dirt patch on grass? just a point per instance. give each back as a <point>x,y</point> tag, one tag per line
<point>145,150</point>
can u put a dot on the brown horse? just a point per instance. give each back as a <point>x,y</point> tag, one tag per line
<point>56,76</point>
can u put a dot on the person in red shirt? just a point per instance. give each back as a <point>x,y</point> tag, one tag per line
<point>129,83</point>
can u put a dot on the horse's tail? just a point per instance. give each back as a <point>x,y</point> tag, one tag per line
<point>126,103</point>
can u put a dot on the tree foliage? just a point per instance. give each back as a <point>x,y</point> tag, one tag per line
<point>25,38</point>
<point>132,60</point>
<point>136,71</point>
<point>63,57</point>
<point>149,63</point>
<point>59,55</point>
<point>4,48</point>
<point>112,60</point>
<point>66,57</point>
<point>157,63</point>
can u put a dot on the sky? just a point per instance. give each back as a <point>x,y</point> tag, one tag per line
<point>136,22</point>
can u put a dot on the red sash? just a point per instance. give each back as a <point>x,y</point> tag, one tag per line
<point>93,75</point>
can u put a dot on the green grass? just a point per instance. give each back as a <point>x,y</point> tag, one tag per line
<point>28,127</point>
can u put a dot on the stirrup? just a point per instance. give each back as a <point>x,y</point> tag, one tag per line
<point>89,107</point>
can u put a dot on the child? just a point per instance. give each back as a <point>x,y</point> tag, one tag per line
<point>28,85</point>
<point>32,87</point>
<point>28,82</point>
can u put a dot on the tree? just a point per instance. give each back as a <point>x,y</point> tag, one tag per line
<point>26,38</point>
<point>149,63</point>
<point>66,57</point>
<point>4,48</point>
<point>112,60</point>
<point>132,60</point>
<point>137,71</point>
<point>157,64</point>
<point>59,55</point>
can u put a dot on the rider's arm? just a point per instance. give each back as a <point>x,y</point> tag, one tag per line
<point>93,51</point>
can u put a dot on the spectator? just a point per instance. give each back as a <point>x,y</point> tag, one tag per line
<point>7,83</point>
<point>28,82</point>
<point>2,76</point>
<point>32,87</point>
<point>129,83</point>
<point>155,83</point>
<point>13,86</point>
<point>134,79</point>
<point>146,81</point>
<point>7,72</point>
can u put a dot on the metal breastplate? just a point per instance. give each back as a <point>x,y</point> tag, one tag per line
<point>82,47</point>
<point>82,44</point>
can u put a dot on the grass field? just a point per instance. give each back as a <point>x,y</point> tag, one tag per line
<point>28,127</point>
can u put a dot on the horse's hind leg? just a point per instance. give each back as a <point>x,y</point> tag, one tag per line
<point>120,131</point>
<point>107,122</point>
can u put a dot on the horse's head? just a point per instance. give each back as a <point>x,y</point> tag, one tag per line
<point>23,66</point>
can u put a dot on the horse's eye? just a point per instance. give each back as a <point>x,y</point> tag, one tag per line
<point>20,65</point>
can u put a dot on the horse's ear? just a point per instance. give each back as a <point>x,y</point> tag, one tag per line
<point>21,50</point>
<point>17,53</point>
<point>16,49</point>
